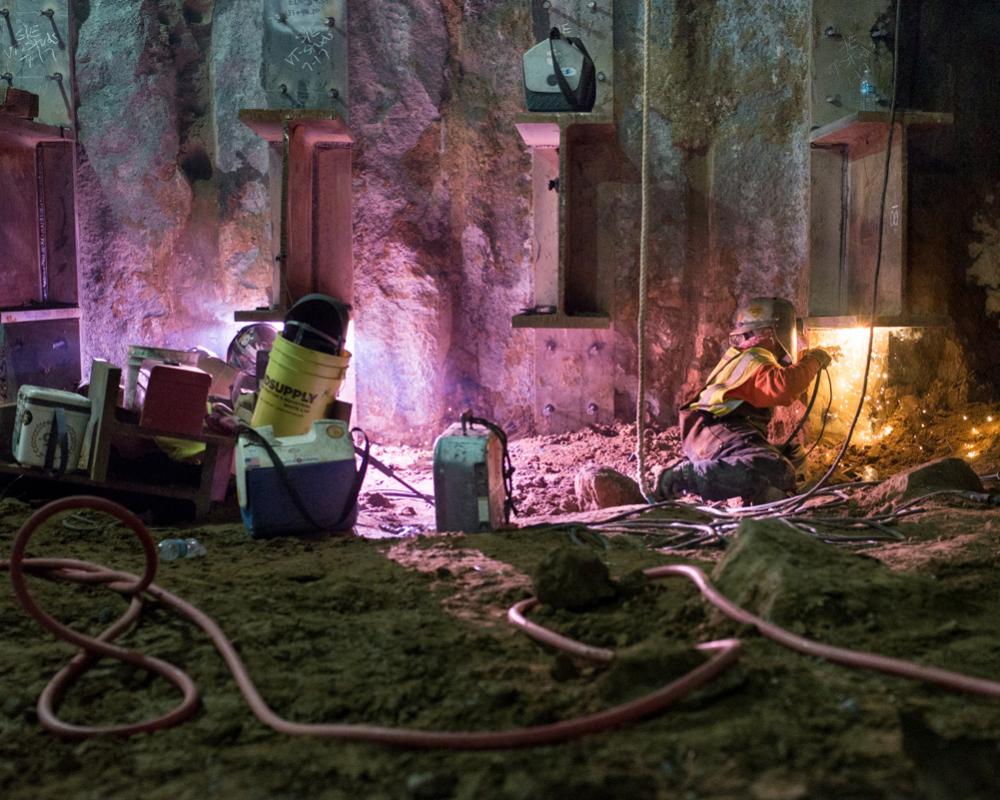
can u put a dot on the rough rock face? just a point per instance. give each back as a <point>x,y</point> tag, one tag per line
<point>440,215</point>
<point>171,194</point>
<point>175,214</point>
<point>602,487</point>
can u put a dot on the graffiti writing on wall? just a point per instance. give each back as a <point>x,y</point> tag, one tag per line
<point>305,8</point>
<point>34,47</point>
<point>310,50</point>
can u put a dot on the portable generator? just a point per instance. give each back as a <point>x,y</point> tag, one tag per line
<point>472,477</point>
<point>559,75</point>
<point>298,484</point>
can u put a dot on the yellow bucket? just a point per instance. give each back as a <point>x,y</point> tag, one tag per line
<point>298,388</point>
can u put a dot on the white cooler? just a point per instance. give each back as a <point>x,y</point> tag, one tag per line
<point>37,407</point>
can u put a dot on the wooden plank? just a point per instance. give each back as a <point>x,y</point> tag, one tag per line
<point>320,124</point>
<point>56,165</point>
<point>332,252</point>
<point>591,160</point>
<point>10,316</point>
<point>881,321</point>
<point>828,216</point>
<point>28,133</point>
<point>177,490</point>
<point>865,129</point>
<point>104,382</point>
<point>260,315</point>
<point>865,177</point>
<point>8,419</point>
<point>559,320</point>
<point>545,236</point>
<point>17,102</point>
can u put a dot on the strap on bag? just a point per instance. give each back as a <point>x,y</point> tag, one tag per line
<point>578,103</point>
<point>508,467</point>
<point>58,437</point>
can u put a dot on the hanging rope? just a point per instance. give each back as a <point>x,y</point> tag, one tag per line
<point>640,402</point>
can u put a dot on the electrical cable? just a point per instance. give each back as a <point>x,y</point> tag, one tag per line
<point>878,266</point>
<point>805,414</point>
<point>839,655</point>
<point>640,400</point>
<point>389,472</point>
<point>826,414</point>
<point>409,495</point>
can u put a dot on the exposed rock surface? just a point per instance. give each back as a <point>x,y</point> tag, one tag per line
<point>176,215</point>
<point>938,475</point>
<point>171,193</point>
<point>603,487</point>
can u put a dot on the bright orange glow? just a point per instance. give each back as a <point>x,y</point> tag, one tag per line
<point>846,375</point>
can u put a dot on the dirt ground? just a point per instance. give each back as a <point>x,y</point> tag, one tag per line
<point>401,626</point>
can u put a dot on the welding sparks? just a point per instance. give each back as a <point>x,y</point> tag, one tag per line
<point>847,375</point>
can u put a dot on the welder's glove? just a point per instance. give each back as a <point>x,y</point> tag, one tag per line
<point>823,357</point>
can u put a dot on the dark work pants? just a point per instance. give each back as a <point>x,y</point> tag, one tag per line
<point>731,457</point>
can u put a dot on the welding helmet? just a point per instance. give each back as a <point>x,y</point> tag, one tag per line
<point>248,341</point>
<point>776,313</point>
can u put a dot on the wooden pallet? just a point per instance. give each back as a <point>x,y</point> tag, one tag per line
<point>111,425</point>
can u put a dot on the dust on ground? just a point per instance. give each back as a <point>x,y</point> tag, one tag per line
<point>399,626</point>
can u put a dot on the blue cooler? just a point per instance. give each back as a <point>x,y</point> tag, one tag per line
<point>319,464</point>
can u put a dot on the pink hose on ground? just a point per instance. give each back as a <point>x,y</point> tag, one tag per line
<point>724,654</point>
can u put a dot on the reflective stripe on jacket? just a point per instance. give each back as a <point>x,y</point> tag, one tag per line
<point>734,369</point>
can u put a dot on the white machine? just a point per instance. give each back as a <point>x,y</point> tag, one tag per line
<point>313,486</point>
<point>559,75</point>
<point>50,428</point>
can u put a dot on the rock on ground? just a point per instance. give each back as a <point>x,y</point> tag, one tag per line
<point>573,578</point>
<point>940,474</point>
<point>602,487</point>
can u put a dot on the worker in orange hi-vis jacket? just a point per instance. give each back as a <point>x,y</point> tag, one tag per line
<point>724,427</point>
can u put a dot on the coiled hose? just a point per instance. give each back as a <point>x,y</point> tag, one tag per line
<point>723,653</point>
